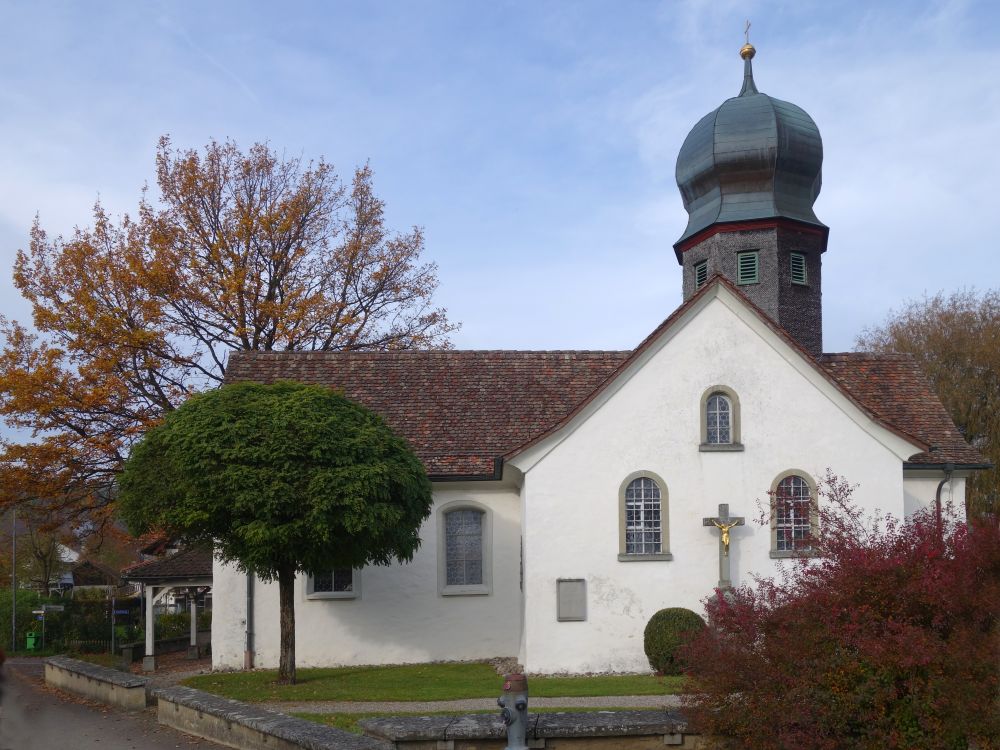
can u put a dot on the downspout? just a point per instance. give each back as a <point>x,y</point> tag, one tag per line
<point>248,653</point>
<point>948,469</point>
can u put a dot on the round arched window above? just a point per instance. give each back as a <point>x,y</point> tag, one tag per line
<point>720,419</point>
<point>719,414</point>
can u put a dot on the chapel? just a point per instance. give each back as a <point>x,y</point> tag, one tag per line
<point>578,492</point>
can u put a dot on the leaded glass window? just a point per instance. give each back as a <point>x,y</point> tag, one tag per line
<point>464,547</point>
<point>792,514</point>
<point>718,416</point>
<point>643,529</point>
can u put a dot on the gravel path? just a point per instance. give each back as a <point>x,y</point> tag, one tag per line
<point>472,704</point>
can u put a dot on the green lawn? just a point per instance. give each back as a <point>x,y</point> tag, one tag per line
<point>349,722</point>
<point>425,682</point>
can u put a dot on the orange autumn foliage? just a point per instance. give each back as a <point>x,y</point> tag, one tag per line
<point>243,250</point>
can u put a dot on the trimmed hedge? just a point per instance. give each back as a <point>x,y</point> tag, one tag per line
<point>667,631</point>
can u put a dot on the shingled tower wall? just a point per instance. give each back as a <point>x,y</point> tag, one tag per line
<point>749,173</point>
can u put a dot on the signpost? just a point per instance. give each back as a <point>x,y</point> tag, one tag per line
<point>41,616</point>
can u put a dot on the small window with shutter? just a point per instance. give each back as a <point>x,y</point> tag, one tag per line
<point>700,274</point>
<point>748,267</point>
<point>798,266</point>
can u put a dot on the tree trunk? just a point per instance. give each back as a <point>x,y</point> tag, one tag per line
<point>286,598</point>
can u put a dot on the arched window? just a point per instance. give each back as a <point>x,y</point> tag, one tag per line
<point>793,514</point>
<point>643,519</point>
<point>718,416</point>
<point>464,550</point>
<point>720,420</point>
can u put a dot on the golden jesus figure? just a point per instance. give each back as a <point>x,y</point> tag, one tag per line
<point>725,527</point>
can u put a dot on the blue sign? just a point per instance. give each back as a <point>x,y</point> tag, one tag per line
<point>121,611</point>
<point>40,617</point>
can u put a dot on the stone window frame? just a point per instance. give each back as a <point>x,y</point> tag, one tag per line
<point>664,553</point>
<point>735,422</point>
<point>354,593</point>
<point>479,589</point>
<point>813,513</point>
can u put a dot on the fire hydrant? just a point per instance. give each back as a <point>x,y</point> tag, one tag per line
<point>514,710</point>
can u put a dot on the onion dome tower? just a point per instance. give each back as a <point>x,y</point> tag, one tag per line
<point>749,173</point>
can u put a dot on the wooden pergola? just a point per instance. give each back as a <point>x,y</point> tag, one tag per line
<point>189,569</point>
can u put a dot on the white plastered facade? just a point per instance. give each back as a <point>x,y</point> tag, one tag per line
<point>555,514</point>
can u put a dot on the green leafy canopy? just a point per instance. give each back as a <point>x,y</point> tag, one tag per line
<point>279,476</point>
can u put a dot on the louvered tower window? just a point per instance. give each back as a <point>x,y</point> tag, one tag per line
<point>798,267</point>
<point>700,274</point>
<point>748,267</point>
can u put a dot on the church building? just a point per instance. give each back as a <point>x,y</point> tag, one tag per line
<point>578,492</point>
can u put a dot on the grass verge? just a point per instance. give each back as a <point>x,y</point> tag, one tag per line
<point>425,682</point>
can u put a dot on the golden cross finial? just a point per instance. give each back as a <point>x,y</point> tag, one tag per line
<point>747,51</point>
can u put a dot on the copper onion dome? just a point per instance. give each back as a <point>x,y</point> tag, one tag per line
<point>755,157</point>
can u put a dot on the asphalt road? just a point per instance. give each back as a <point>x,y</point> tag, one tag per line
<point>36,717</point>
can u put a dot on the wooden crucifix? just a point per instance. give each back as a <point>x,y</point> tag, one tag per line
<point>724,522</point>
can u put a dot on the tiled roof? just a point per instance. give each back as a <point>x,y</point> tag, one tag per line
<point>193,562</point>
<point>893,387</point>
<point>463,410</point>
<point>90,573</point>
<point>459,410</point>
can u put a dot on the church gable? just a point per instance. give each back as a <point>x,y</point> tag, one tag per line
<point>722,359</point>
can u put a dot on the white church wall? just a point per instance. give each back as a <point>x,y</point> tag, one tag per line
<point>399,616</point>
<point>652,423</point>
<point>920,490</point>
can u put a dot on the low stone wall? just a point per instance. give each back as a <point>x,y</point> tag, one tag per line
<point>135,651</point>
<point>98,683</point>
<point>590,730</point>
<point>248,727</point>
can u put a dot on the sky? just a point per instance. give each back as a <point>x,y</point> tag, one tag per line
<point>535,142</point>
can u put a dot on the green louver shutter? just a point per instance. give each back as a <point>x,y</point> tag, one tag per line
<point>748,267</point>
<point>700,274</point>
<point>798,264</point>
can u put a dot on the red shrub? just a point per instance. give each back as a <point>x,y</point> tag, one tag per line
<point>888,638</point>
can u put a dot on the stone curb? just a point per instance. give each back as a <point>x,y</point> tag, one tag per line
<point>93,681</point>
<point>97,672</point>
<point>241,725</point>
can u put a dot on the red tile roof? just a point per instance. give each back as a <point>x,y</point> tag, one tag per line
<point>893,387</point>
<point>459,410</point>
<point>187,564</point>
<point>92,573</point>
<point>463,411</point>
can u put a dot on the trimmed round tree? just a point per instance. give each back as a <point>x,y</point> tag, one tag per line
<point>665,633</point>
<point>282,479</point>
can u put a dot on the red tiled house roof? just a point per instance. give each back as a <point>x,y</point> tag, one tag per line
<point>459,410</point>
<point>462,411</point>
<point>893,387</point>
<point>188,564</point>
<point>91,573</point>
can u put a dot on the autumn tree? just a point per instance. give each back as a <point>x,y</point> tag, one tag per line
<point>281,479</point>
<point>240,250</point>
<point>956,341</point>
<point>42,548</point>
<point>886,636</point>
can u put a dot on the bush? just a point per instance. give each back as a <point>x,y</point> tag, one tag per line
<point>665,633</point>
<point>890,638</point>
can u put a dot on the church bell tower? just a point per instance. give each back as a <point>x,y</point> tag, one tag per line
<point>749,173</point>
